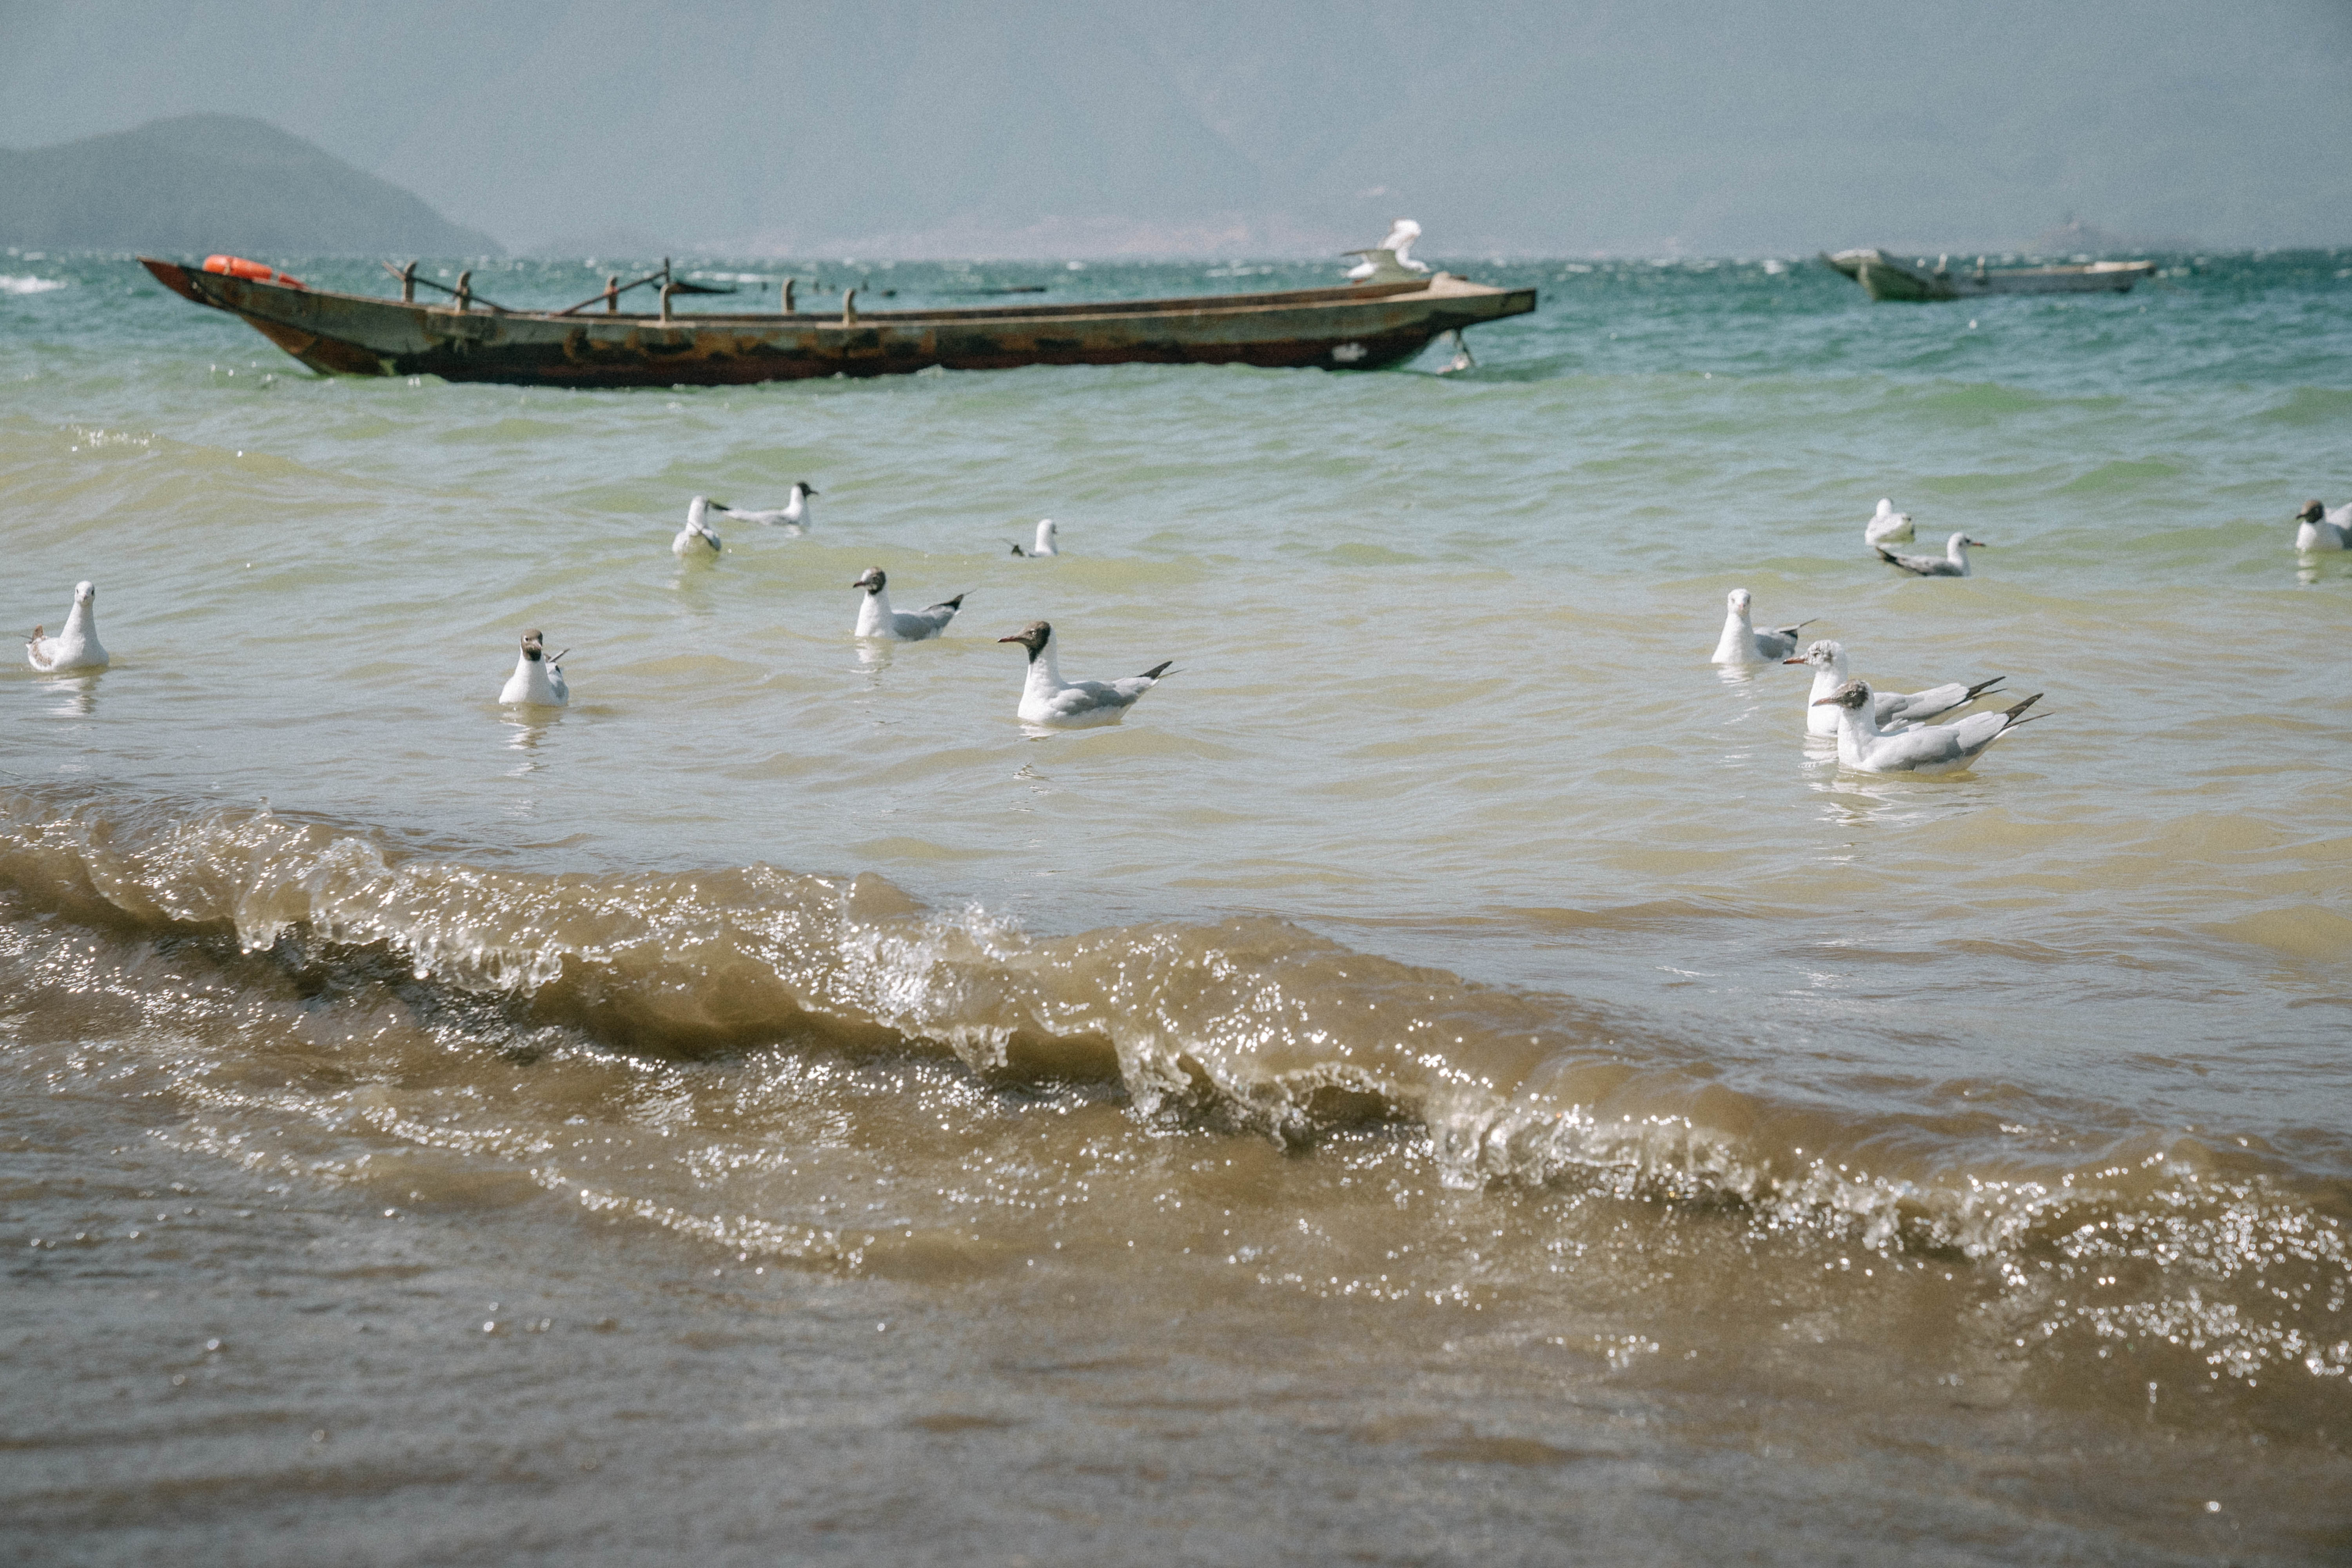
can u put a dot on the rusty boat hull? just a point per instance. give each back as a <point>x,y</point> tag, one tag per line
<point>1360,327</point>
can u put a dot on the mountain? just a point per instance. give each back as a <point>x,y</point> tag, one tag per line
<point>204,183</point>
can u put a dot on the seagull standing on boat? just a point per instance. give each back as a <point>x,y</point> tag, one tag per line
<point>876,618</point>
<point>696,541</point>
<point>1886,524</point>
<point>796,513</point>
<point>1046,533</point>
<point>1953,562</point>
<point>1399,257</point>
<point>1895,710</point>
<point>1741,643</point>
<point>1929,749</point>
<point>538,680</point>
<point>1047,698</point>
<point>76,646</point>
<point>2323,530</point>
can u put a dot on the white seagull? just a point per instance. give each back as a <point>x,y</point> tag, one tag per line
<point>1894,710</point>
<point>696,540</point>
<point>1399,257</point>
<point>796,513</point>
<point>876,618</point>
<point>76,646</point>
<point>2322,529</point>
<point>1886,524</point>
<point>1741,643</point>
<point>1046,533</point>
<point>1929,749</point>
<point>1953,562</point>
<point>538,680</point>
<point>1047,698</point>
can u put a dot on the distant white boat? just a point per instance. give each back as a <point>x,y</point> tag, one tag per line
<point>1883,277</point>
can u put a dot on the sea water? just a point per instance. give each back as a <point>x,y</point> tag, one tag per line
<point>1454,1075</point>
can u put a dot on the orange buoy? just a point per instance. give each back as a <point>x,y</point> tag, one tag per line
<point>252,271</point>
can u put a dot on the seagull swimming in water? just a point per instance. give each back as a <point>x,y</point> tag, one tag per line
<point>2322,529</point>
<point>1047,698</point>
<point>1886,524</point>
<point>1928,749</point>
<point>876,618</point>
<point>538,680</point>
<point>696,541</point>
<point>1953,562</point>
<point>1399,245</point>
<point>1894,710</point>
<point>76,646</point>
<point>1741,643</point>
<point>1046,533</point>
<point>796,513</point>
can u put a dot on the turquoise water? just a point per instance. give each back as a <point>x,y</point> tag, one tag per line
<point>1554,962</point>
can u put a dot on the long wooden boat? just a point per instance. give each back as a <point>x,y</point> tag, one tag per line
<point>1360,327</point>
<point>1883,277</point>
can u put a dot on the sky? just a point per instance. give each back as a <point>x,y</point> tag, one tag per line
<point>1258,127</point>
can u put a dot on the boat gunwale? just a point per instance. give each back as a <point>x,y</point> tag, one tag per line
<point>1330,297</point>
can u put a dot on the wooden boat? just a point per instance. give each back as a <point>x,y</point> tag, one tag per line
<point>1360,327</point>
<point>1883,277</point>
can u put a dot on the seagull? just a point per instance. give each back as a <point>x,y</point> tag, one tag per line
<point>796,513</point>
<point>2322,529</point>
<point>1047,698</point>
<point>696,539</point>
<point>1886,524</point>
<point>1953,562</point>
<point>1741,643</point>
<point>1399,245</point>
<point>876,618</point>
<point>1046,530</point>
<point>1894,710</point>
<point>76,646</point>
<point>538,680</point>
<point>1931,749</point>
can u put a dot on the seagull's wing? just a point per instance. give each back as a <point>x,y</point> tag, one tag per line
<point>1918,707</point>
<point>1917,565</point>
<point>1780,642</point>
<point>2341,516</point>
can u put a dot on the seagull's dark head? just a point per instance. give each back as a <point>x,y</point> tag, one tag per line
<point>1853,694</point>
<point>534,645</point>
<point>1033,637</point>
<point>872,580</point>
<point>804,488</point>
<point>2312,513</point>
<point>1823,655</point>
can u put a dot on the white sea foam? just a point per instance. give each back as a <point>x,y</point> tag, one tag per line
<point>15,284</point>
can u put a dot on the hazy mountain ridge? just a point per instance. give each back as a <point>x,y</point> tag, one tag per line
<point>203,183</point>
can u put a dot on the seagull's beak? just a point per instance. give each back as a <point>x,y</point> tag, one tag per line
<point>1796,661</point>
<point>1978,544</point>
<point>1010,639</point>
<point>1824,701</point>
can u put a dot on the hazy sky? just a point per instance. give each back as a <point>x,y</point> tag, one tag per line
<point>1075,127</point>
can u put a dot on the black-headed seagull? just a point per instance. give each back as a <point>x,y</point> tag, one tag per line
<point>1926,749</point>
<point>697,541</point>
<point>1886,524</point>
<point>796,513</point>
<point>2321,529</point>
<point>1953,562</point>
<point>876,618</point>
<point>1047,698</point>
<point>76,646</point>
<point>1741,643</point>
<point>1895,710</point>
<point>1047,531</point>
<point>538,679</point>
